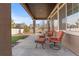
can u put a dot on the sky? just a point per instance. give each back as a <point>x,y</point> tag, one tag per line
<point>19,15</point>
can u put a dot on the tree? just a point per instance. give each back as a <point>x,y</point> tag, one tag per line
<point>77,24</point>
<point>12,24</point>
<point>26,29</point>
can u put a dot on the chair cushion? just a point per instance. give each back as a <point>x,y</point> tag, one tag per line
<point>40,40</point>
<point>57,39</point>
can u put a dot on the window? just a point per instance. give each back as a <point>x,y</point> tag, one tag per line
<point>73,17</point>
<point>69,9</point>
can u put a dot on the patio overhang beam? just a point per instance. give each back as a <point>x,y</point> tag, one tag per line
<point>55,8</point>
<point>58,7</point>
<point>25,6</point>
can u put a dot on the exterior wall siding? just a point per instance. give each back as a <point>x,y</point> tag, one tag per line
<point>71,42</point>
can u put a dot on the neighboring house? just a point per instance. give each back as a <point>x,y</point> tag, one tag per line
<point>18,29</point>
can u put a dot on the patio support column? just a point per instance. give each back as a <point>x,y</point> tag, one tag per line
<point>58,18</point>
<point>48,22</point>
<point>43,22</point>
<point>34,24</point>
<point>5,29</point>
<point>52,24</point>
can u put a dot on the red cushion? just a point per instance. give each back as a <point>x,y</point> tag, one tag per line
<point>60,34</point>
<point>40,40</point>
<point>58,39</point>
<point>41,36</point>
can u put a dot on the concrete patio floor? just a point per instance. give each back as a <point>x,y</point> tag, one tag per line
<point>26,47</point>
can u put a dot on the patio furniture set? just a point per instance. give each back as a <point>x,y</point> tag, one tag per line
<point>52,37</point>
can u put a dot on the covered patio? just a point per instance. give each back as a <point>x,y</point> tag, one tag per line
<point>38,11</point>
<point>26,47</point>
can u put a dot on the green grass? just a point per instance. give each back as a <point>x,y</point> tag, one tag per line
<point>16,38</point>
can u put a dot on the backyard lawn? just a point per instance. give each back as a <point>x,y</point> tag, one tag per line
<point>16,38</point>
